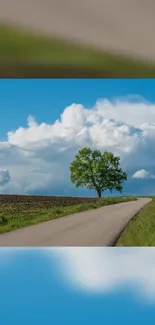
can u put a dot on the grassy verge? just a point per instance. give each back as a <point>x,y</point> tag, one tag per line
<point>141,229</point>
<point>23,54</point>
<point>16,215</point>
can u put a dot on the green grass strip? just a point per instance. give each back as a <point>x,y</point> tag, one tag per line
<point>15,215</point>
<point>24,54</point>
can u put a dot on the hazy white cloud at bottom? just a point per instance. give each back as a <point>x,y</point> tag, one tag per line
<point>99,270</point>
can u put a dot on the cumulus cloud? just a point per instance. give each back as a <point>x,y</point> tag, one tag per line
<point>4,177</point>
<point>144,174</point>
<point>77,126</point>
<point>104,270</point>
<point>38,156</point>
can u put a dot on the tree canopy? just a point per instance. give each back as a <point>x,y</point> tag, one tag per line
<point>94,170</point>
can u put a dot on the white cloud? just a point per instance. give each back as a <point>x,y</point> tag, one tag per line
<point>104,270</point>
<point>144,174</point>
<point>4,177</point>
<point>38,156</point>
<point>133,110</point>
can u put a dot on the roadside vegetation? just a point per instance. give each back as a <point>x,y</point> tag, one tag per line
<point>24,211</point>
<point>140,231</point>
<point>23,54</point>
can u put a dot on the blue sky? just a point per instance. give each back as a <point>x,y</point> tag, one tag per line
<point>33,292</point>
<point>41,147</point>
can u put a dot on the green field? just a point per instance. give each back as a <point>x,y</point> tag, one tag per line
<point>141,229</point>
<point>24,54</point>
<point>16,214</point>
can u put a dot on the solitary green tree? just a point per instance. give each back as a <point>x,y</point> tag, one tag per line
<point>94,170</point>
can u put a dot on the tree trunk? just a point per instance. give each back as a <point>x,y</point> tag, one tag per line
<point>99,193</point>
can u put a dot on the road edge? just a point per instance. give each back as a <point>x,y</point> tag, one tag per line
<point>115,240</point>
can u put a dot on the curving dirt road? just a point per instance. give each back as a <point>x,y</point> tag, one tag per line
<point>98,227</point>
<point>124,26</point>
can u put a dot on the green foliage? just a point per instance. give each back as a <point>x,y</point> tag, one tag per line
<point>3,220</point>
<point>94,170</point>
